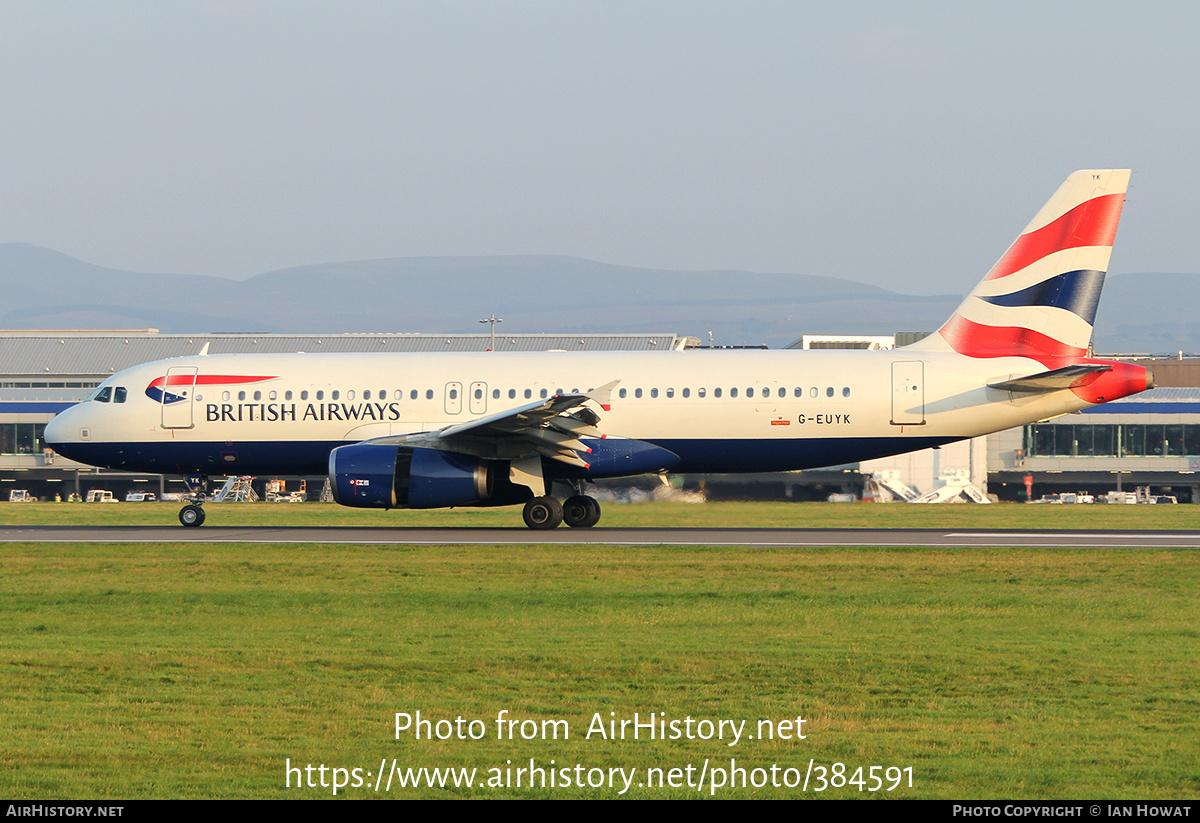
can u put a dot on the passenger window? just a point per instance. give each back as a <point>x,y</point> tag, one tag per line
<point>454,394</point>
<point>799,392</point>
<point>716,392</point>
<point>287,395</point>
<point>495,394</point>
<point>349,395</point>
<point>242,395</point>
<point>429,394</point>
<point>829,392</point>
<point>670,392</point>
<point>225,395</point>
<point>412,395</point>
<point>335,394</point>
<point>528,393</point>
<point>750,392</point>
<point>321,394</point>
<point>623,393</point>
<point>687,392</point>
<point>479,394</point>
<point>813,392</point>
<point>733,392</point>
<point>782,391</point>
<point>119,394</point>
<point>699,392</point>
<point>846,391</point>
<point>654,392</point>
<point>367,395</point>
<point>272,396</point>
<point>544,393</point>
<point>637,392</point>
<point>258,395</point>
<point>304,394</point>
<point>512,394</point>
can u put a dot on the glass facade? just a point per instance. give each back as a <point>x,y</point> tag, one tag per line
<point>1124,440</point>
<point>22,438</point>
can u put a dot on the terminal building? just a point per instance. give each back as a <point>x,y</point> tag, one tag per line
<point>1149,440</point>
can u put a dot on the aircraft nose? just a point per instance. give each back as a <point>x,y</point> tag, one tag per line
<point>56,430</point>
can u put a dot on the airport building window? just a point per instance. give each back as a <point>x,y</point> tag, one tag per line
<point>22,438</point>
<point>1124,440</point>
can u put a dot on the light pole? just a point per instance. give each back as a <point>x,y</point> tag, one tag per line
<point>493,319</point>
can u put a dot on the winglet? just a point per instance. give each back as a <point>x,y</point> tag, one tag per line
<point>603,395</point>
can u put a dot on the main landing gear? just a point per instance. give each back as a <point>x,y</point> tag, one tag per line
<point>578,511</point>
<point>193,514</point>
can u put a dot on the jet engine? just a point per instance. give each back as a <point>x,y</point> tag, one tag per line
<point>372,476</point>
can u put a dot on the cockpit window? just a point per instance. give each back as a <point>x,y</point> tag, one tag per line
<point>119,394</point>
<point>104,395</point>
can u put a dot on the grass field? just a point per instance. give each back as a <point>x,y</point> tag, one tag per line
<point>199,670</point>
<point>664,515</point>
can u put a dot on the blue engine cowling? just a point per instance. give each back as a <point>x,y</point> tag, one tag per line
<point>391,477</point>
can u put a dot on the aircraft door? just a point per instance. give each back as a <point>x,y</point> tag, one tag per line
<point>454,398</point>
<point>478,399</point>
<point>178,390</point>
<point>908,393</point>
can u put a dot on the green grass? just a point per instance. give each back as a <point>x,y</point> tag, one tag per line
<point>715,515</point>
<point>195,670</point>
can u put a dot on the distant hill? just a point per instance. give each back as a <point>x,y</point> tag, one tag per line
<point>46,289</point>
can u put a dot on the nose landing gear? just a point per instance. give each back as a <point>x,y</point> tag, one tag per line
<point>193,514</point>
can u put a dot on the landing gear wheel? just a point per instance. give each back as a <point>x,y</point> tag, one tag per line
<point>581,511</point>
<point>543,513</point>
<point>191,515</point>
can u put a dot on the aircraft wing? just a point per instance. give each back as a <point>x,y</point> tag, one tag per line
<point>552,427</point>
<point>1054,380</point>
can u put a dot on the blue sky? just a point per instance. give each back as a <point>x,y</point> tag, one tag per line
<point>900,144</point>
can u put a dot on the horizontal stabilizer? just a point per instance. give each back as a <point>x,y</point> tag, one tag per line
<point>1068,377</point>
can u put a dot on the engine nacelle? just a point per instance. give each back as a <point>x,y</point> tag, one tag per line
<point>393,477</point>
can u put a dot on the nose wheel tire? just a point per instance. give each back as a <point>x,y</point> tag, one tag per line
<point>191,515</point>
<point>581,511</point>
<point>543,513</point>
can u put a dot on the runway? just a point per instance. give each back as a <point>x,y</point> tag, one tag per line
<point>750,538</point>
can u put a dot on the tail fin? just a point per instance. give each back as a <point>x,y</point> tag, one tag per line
<point>1039,301</point>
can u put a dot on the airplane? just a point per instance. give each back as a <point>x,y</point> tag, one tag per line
<point>430,430</point>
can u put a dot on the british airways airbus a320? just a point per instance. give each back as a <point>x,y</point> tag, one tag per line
<point>495,429</point>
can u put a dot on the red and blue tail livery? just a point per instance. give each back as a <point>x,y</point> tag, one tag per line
<point>1039,300</point>
<point>428,430</point>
